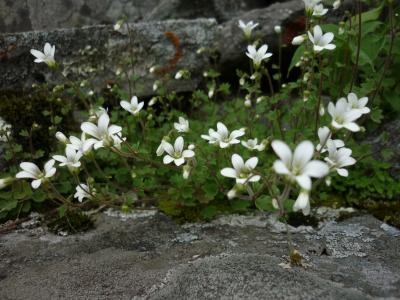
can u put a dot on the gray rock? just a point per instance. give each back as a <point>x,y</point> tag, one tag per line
<point>153,258</point>
<point>103,50</point>
<point>47,15</point>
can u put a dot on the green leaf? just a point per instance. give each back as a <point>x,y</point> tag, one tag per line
<point>296,57</point>
<point>240,205</point>
<point>62,211</point>
<point>264,203</point>
<point>39,196</point>
<point>377,115</point>
<point>371,15</point>
<point>209,212</point>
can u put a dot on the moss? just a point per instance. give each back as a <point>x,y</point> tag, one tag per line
<point>181,214</point>
<point>386,211</point>
<point>72,222</point>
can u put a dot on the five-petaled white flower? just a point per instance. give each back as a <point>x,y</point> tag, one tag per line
<point>258,55</point>
<point>247,27</point>
<point>47,56</point>
<point>133,107</point>
<point>319,10</point>
<point>83,191</point>
<point>252,144</point>
<point>342,116</point>
<point>30,170</point>
<point>105,135</point>
<point>298,166</point>
<point>182,126</point>
<point>242,171</point>
<point>339,158</point>
<point>82,145</point>
<point>358,104</point>
<point>324,134</point>
<point>321,41</point>
<point>222,137</point>
<point>176,153</point>
<point>71,158</point>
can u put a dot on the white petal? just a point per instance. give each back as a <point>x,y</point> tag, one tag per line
<point>237,162</point>
<point>103,122</point>
<point>60,158</point>
<point>303,153</point>
<point>229,172</point>
<point>179,144</point>
<point>167,159</point>
<point>280,167</point>
<point>37,54</point>
<point>49,165</point>
<point>316,169</point>
<point>90,129</point>
<point>30,167</point>
<point>251,163</point>
<point>25,174</point>
<point>187,153</point>
<point>282,151</point>
<point>304,181</point>
<point>36,183</point>
<point>179,161</point>
<point>168,148</point>
<point>352,127</point>
<point>125,105</point>
<point>222,130</point>
<point>343,172</point>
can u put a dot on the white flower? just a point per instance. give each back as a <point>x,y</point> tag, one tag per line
<point>61,137</point>
<point>133,107</point>
<point>247,103</point>
<point>358,104</point>
<point>47,56</point>
<point>118,25</point>
<point>310,4</point>
<point>258,55</point>
<point>247,27</point>
<point>342,116</point>
<point>176,153</point>
<point>339,158</point>
<point>103,133</point>
<point>298,40</point>
<point>278,29</point>
<point>30,170</point>
<point>82,145</point>
<point>211,93</point>
<point>95,114</point>
<point>155,86</point>
<point>321,41</point>
<point>222,137</point>
<point>319,10</point>
<point>242,171</point>
<point>182,126</point>
<point>83,191</point>
<point>5,130</point>
<point>253,145</point>
<point>324,135</point>
<point>4,182</point>
<point>303,202</point>
<point>71,158</point>
<point>336,4</point>
<point>298,166</point>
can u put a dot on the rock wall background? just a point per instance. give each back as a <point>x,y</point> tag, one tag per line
<point>28,15</point>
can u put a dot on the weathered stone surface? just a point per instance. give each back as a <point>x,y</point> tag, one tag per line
<point>268,18</point>
<point>150,46</point>
<point>27,15</point>
<point>148,256</point>
<point>47,15</point>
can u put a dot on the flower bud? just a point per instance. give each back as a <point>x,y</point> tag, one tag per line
<point>62,138</point>
<point>336,4</point>
<point>211,93</point>
<point>191,147</point>
<point>298,40</point>
<point>278,29</point>
<point>186,171</point>
<point>242,81</point>
<point>6,182</point>
<point>247,103</point>
<point>152,101</point>
<point>152,69</point>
